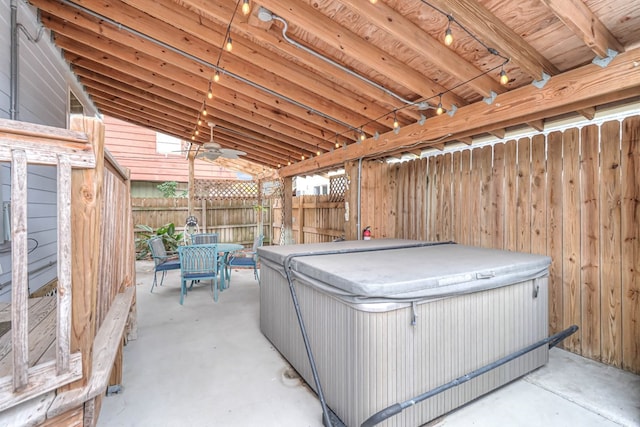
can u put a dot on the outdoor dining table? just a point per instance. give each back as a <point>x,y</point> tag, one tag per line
<point>225,249</point>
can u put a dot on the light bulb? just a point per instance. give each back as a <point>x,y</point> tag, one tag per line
<point>395,121</point>
<point>289,163</point>
<point>193,137</point>
<point>197,132</point>
<point>199,122</point>
<point>373,1</point>
<point>448,37</point>
<point>279,165</point>
<point>210,93</point>
<point>439,110</point>
<point>216,77</point>
<point>337,144</point>
<point>229,45</point>
<point>504,79</point>
<point>246,7</point>
<point>362,136</point>
<point>317,151</point>
<point>204,111</point>
<point>302,157</point>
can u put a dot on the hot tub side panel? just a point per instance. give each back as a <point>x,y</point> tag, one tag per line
<point>369,360</point>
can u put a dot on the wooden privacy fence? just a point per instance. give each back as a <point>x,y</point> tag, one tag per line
<point>315,219</point>
<point>235,221</point>
<point>572,195</point>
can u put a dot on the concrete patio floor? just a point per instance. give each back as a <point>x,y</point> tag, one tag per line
<point>207,364</point>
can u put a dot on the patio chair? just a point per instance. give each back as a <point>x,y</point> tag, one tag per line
<point>245,259</point>
<point>198,262</point>
<point>163,262</point>
<point>204,238</point>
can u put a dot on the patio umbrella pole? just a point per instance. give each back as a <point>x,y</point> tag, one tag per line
<point>326,413</point>
<point>392,410</point>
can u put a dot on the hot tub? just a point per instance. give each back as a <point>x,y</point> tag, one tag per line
<point>392,322</point>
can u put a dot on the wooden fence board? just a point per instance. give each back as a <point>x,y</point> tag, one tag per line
<point>485,196</point>
<point>465,190</point>
<point>457,202</point>
<point>631,244</point>
<point>538,195</point>
<point>446,197</point>
<point>523,200</point>
<point>497,198</point>
<point>510,195</point>
<point>571,236</point>
<point>610,245</point>
<point>474,200</point>
<point>554,231</point>
<point>589,242</point>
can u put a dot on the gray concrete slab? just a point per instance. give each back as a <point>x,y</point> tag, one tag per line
<point>207,364</point>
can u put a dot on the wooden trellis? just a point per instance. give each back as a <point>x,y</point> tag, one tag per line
<point>207,189</point>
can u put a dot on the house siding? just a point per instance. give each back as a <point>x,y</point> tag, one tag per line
<point>43,84</point>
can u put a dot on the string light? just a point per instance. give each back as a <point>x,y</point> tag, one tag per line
<point>362,135</point>
<point>373,1</point>
<point>216,77</point>
<point>197,132</point>
<point>210,92</point>
<point>317,149</point>
<point>204,111</point>
<point>504,79</point>
<point>448,36</point>
<point>395,121</point>
<point>199,121</point>
<point>246,7</point>
<point>229,44</point>
<point>302,157</point>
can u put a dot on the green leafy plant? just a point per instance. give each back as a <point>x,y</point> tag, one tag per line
<point>167,232</point>
<point>168,189</point>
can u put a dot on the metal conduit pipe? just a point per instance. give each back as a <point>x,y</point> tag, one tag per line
<point>205,63</point>
<point>358,222</point>
<point>267,16</point>
<point>326,413</point>
<point>13,79</point>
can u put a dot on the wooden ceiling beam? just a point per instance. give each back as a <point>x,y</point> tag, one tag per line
<point>338,37</point>
<point>577,16</point>
<point>232,101</point>
<point>126,115</point>
<point>585,86</point>
<point>426,46</point>
<point>316,66</point>
<point>244,60</point>
<point>479,20</point>
<point>177,121</point>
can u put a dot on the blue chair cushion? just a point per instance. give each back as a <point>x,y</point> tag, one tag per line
<point>242,262</point>
<point>170,264</point>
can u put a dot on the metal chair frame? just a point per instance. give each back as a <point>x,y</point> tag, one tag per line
<point>199,262</point>
<point>162,261</point>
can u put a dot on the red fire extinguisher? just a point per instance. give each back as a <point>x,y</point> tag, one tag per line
<point>366,233</point>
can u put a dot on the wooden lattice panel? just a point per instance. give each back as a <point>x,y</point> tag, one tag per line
<point>225,189</point>
<point>337,188</point>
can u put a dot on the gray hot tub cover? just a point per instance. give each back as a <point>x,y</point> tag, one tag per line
<point>405,274</point>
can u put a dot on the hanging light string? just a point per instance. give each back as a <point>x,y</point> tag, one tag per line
<point>438,96</point>
<point>228,44</point>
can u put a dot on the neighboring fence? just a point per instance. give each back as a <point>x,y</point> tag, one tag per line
<point>315,219</point>
<point>235,221</point>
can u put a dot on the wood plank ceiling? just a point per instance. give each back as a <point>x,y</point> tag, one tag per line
<point>304,77</point>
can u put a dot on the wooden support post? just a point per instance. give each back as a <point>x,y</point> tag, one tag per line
<point>300,220</point>
<point>192,184</point>
<point>86,200</point>
<point>287,209</point>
